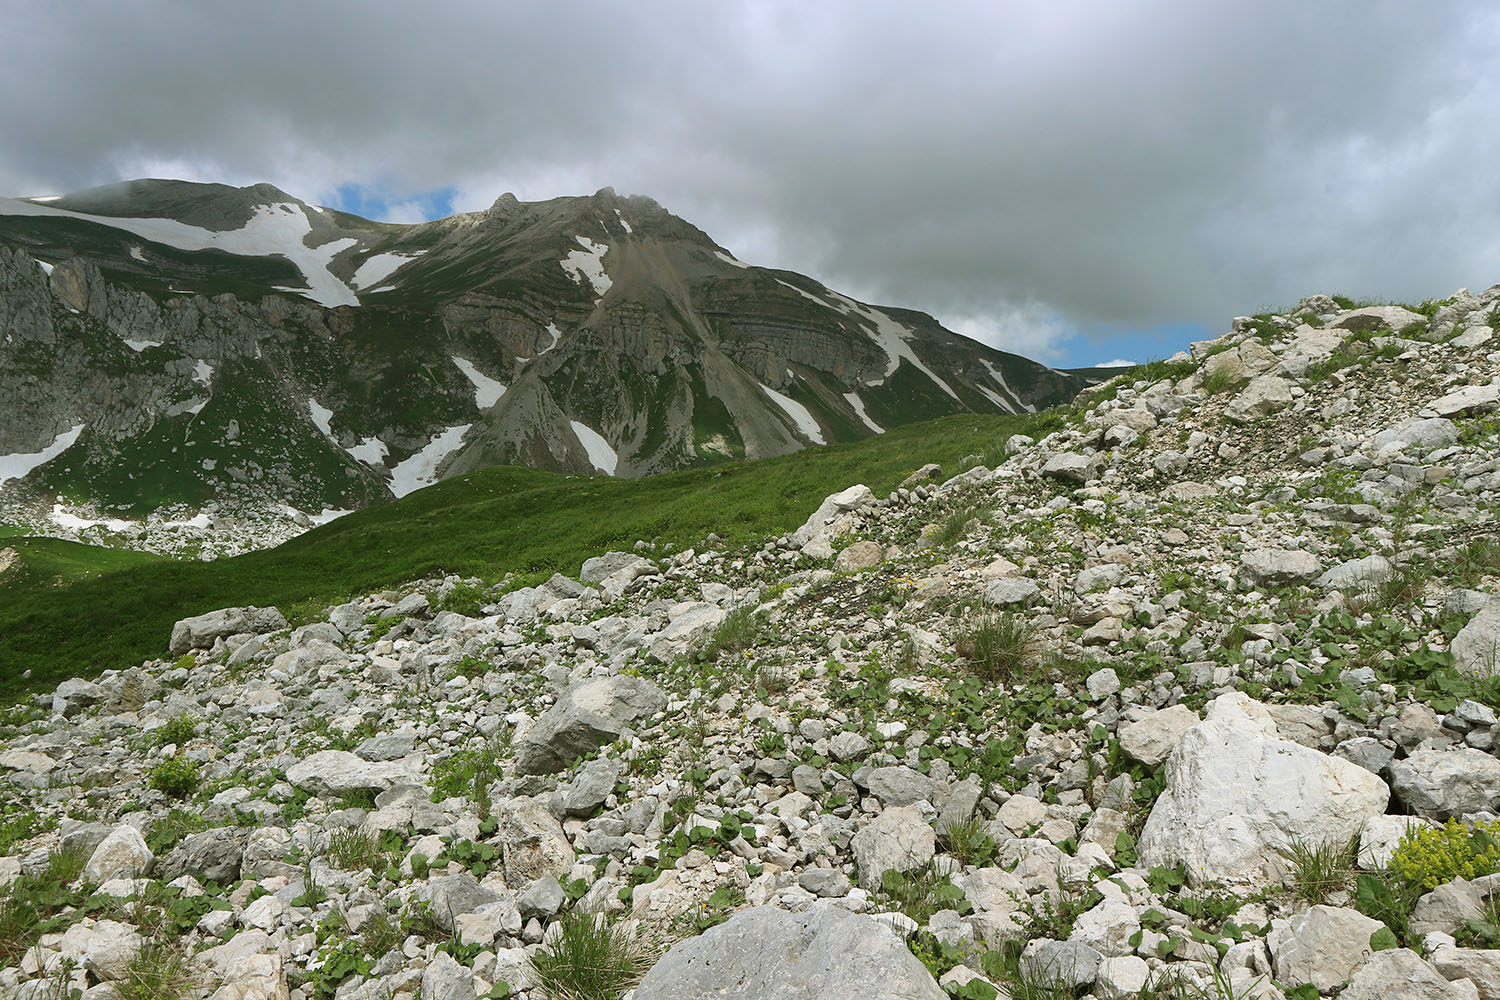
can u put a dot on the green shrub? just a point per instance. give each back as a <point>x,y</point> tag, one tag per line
<point>177,731</point>
<point>1429,858</point>
<point>176,776</point>
<point>589,959</point>
<point>998,647</point>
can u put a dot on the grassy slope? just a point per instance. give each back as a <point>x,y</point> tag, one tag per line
<point>486,524</point>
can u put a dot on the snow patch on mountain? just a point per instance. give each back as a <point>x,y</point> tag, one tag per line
<point>138,254</point>
<point>64,518</point>
<point>321,415</point>
<point>371,451</point>
<point>892,338</point>
<point>274,229</point>
<point>203,372</point>
<point>487,391</point>
<point>556,336</point>
<point>806,295</point>
<point>420,469</point>
<point>730,260</point>
<point>18,465</point>
<point>377,268</point>
<point>588,263</point>
<point>859,410</point>
<point>800,415</point>
<point>999,378</point>
<point>601,455</point>
<point>625,225</point>
<point>140,345</point>
<point>46,267</point>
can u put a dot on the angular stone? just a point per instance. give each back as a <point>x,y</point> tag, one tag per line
<point>122,854</point>
<point>1447,909</point>
<point>1152,738</point>
<point>594,783</point>
<point>1067,964</point>
<point>861,555</point>
<point>1265,395</point>
<point>1440,784</point>
<point>587,716</point>
<point>1469,399</point>
<point>1399,974</point>
<point>200,632</point>
<point>1011,590</point>
<point>1357,573</point>
<point>1275,567</point>
<point>535,845</point>
<point>1237,797</point>
<point>211,856</point>
<point>897,786</point>
<point>1325,946</point>
<point>1071,467</point>
<point>1481,966</point>
<point>821,954</point>
<point>451,896</point>
<point>898,839</point>
<point>1476,648</point>
<point>335,773</point>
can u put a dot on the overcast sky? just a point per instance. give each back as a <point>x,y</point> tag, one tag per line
<point>1074,181</point>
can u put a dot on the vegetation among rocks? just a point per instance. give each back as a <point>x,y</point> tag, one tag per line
<point>1176,694</point>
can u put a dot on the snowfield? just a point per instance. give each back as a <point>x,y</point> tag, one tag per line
<point>588,263</point>
<point>376,269</point>
<point>18,465</point>
<point>487,391</point>
<point>274,230</point>
<point>140,345</point>
<point>891,336</point>
<point>799,414</point>
<point>321,415</point>
<point>601,455</point>
<point>203,372</point>
<point>999,378</point>
<point>859,409</point>
<point>420,469</point>
<point>371,451</point>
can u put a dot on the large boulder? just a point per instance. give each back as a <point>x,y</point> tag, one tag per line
<point>1441,784</point>
<point>535,845</point>
<point>1323,947</point>
<point>898,839</point>
<point>1238,796</point>
<point>1476,648</point>
<point>335,773</point>
<point>589,715</point>
<point>1276,567</point>
<point>122,854</point>
<point>211,856</point>
<point>200,632</point>
<point>835,516</point>
<point>766,953</point>
<point>1399,974</point>
<point>1152,738</point>
<point>1265,395</point>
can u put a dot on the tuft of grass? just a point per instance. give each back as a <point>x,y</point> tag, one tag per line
<point>736,634</point>
<point>999,647</point>
<point>953,527</point>
<point>1321,870</point>
<point>591,958</point>
<point>158,972</point>
<point>1220,380</point>
<point>354,849</point>
<point>921,893</point>
<point>967,841</point>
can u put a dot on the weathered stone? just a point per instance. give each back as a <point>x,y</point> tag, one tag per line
<point>594,783</point>
<point>1071,467</point>
<point>1265,395</point>
<point>453,895</point>
<point>200,632</point>
<point>1399,974</point>
<point>1237,797</point>
<point>898,839</point>
<point>334,773</point>
<point>211,856</point>
<point>1468,400</point>
<point>587,716</point>
<point>1481,966</point>
<point>535,845</point>
<point>106,948</point>
<point>897,786</point>
<point>122,854</point>
<point>1440,784</point>
<point>861,555</point>
<point>764,952</point>
<point>1357,574</point>
<point>1447,909</point>
<point>1068,964</point>
<point>1381,835</point>
<point>1152,738</point>
<point>1276,567</point>
<point>445,979</point>
<point>1476,648</point>
<point>1011,590</point>
<point>1323,947</point>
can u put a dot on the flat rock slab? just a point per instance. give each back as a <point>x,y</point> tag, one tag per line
<point>766,953</point>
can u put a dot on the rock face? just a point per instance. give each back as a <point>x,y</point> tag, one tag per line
<point>768,954</point>
<point>1439,784</point>
<point>1237,797</point>
<point>586,717</point>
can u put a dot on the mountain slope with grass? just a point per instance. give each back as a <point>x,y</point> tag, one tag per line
<point>167,346</point>
<point>1188,689</point>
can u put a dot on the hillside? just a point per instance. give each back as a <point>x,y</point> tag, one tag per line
<point>238,356</point>
<point>1187,689</point>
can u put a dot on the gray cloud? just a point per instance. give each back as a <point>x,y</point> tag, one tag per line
<point>1022,170</point>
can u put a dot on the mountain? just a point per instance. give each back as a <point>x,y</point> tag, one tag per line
<point>165,342</point>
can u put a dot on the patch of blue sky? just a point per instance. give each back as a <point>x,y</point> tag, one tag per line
<point>379,204</point>
<point>1110,345</point>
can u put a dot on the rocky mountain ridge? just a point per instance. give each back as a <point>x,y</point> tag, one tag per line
<point>241,352</point>
<point>1194,697</point>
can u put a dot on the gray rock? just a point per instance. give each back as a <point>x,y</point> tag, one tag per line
<point>451,896</point>
<point>1071,467</point>
<point>535,845</point>
<point>1152,738</point>
<point>1470,399</point>
<point>1476,648</point>
<point>1399,974</point>
<point>848,746</point>
<point>861,555</point>
<point>1275,567</point>
<point>387,746</point>
<point>595,782</point>
<point>766,953</point>
<point>1447,909</point>
<point>211,856</point>
<point>896,786</point>
<point>1357,573</point>
<point>1011,590</point>
<point>1441,784</point>
<point>587,716</point>
<point>1481,966</point>
<point>1323,947</point>
<point>1265,395</point>
<point>1366,751</point>
<point>337,773</point>
<point>826,882</point>
<point>1069,964</point>
<point>1433,432</point>
<point>200,632</point>
<point>122,854</point>
<point>898,839</point>
<point>543,898</point>
<point>445,979</point>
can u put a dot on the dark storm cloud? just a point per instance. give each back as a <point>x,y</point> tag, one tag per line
<point>1023,170</point>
